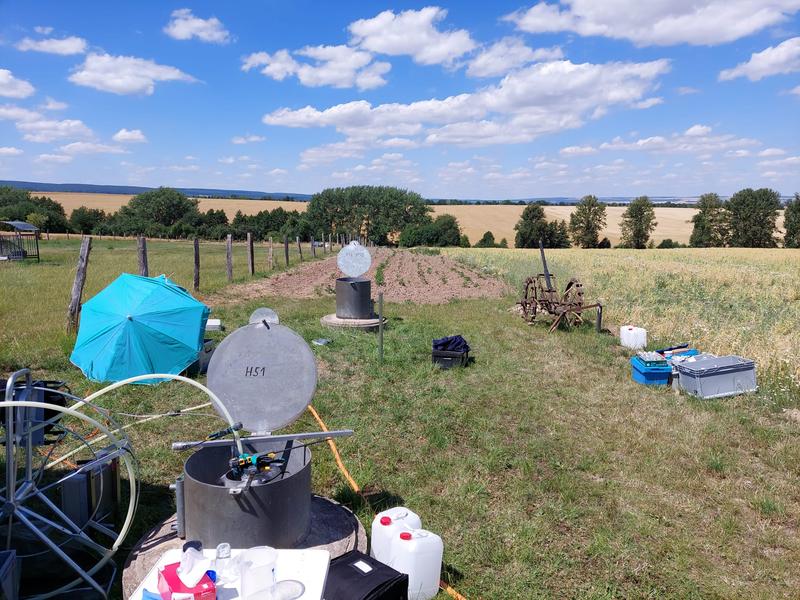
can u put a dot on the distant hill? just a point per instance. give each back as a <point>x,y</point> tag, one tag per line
<point>133,189</point>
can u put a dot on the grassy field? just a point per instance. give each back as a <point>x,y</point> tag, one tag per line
<point>546,470</point>
<point>673,223</point>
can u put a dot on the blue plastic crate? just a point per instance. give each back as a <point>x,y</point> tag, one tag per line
<point>653,375</point>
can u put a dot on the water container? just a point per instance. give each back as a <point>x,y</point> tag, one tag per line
<point>418,554</point>
<point>632,337</point>
<point>385,527</point>
<point>257,568</point>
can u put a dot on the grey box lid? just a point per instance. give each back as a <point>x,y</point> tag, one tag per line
<point>707,366</point>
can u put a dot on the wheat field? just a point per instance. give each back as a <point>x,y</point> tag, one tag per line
<point>673,223</point>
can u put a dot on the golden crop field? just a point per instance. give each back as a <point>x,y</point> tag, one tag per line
<point>112,202</point>
<point>674,223</point>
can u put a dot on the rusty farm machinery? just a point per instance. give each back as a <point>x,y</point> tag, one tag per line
<point>541,296</point>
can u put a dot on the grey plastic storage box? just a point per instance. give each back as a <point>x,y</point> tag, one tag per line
<point>718,377</point>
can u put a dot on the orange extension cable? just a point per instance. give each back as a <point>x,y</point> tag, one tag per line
<point>446,587</point>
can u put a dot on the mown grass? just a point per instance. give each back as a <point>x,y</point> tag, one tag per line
<point>34,298</point>
<point>546,470</point>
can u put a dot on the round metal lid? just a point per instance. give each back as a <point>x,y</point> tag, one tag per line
<point>354,260</point>
<point>264,314</point>
<point>265,376</point>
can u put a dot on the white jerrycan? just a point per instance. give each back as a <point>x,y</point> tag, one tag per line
<point>631,337</point>
<point>418,554</point>
<point>385,527</point>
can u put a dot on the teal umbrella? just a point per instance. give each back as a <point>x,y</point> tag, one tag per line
<point>139,325</point>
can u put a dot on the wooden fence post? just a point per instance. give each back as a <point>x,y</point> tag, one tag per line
<point>74,308</point>
<point>286,249</point>
<point>250,266</point>
<point>67,233</point>
<point>141,248</point>
<point>299,249</point>
<point>196,279</point>
<point>313,249</point>
<point>271,256</point>
<point>229,256</point>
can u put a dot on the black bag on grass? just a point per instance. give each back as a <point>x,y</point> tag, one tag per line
<point>356,576</point>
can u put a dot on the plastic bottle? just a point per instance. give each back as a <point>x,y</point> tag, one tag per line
<point>258,572</point>
<point>385,527</point>
<point>418,554</point>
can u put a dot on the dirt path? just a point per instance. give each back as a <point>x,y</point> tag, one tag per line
<point>418,278</point>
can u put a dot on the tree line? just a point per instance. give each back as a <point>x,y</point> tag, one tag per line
<point>748,219</point>
<point>389,215</point>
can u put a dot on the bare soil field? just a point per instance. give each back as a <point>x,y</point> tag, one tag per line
<point>405,276</point>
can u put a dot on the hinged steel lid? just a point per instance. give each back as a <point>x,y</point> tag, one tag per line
<point>354,260</point>
<point>265,375</point>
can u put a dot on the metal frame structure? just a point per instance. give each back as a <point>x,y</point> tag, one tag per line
<point>539,294</point>
<point>23,499</point>
<point>21,243</point>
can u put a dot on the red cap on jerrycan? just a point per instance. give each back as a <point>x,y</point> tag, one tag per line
<point>386,521</point>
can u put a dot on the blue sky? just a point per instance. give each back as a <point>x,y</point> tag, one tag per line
<point>458,100</point>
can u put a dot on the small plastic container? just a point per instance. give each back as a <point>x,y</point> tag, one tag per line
<point>650,374</point>
<point>257,569</point>
<point>385,527</point>
<point>418,553</point>
<point>632,337</point>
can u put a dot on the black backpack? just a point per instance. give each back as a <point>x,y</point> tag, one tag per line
<point>356,576</point>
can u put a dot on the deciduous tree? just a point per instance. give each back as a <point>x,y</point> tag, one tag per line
<point>753,215</point>
<point>587,221</point>
<point>638,222</point>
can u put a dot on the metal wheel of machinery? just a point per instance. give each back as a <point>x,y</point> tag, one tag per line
<point>67,503</point>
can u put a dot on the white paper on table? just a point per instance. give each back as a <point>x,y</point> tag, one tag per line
<point>310,567</point>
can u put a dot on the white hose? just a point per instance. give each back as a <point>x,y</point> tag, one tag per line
<point>100,438</point>
<point>217,402</point>
<point>126,459</point>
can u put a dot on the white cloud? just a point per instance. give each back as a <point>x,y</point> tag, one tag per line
<point>330,152</point>
<point>42,30</point>
<point>506,54</point>
<point>648,103</point>
<point>698,139</point>
<point>226,160</point>
<point>413,33</point>
<point>541,98</point>
<point>338,66</point>
<point>738,153</point>
<point>685,90</point>
<point>129,136</point>
<point>795,91</point>
<point>54,158</point>
<point>11,87</point>
<point>124,74</point>
<point>185,26</point>
<point>9,151</point>
<point>46,130</point>
<point>707,22</point>
<point>789,161</point>
<point>698,130</point>
<point>11,112</point>
<point>51,104</point>
<point>247,139</point>
<point>91,148</point>
<point>775,60</point>
<point>189,157</point>
<point>577,150</point>
<point>183,168</point>
<point>772,152</point>
<point>277,172</point>
<point>64,46</point>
